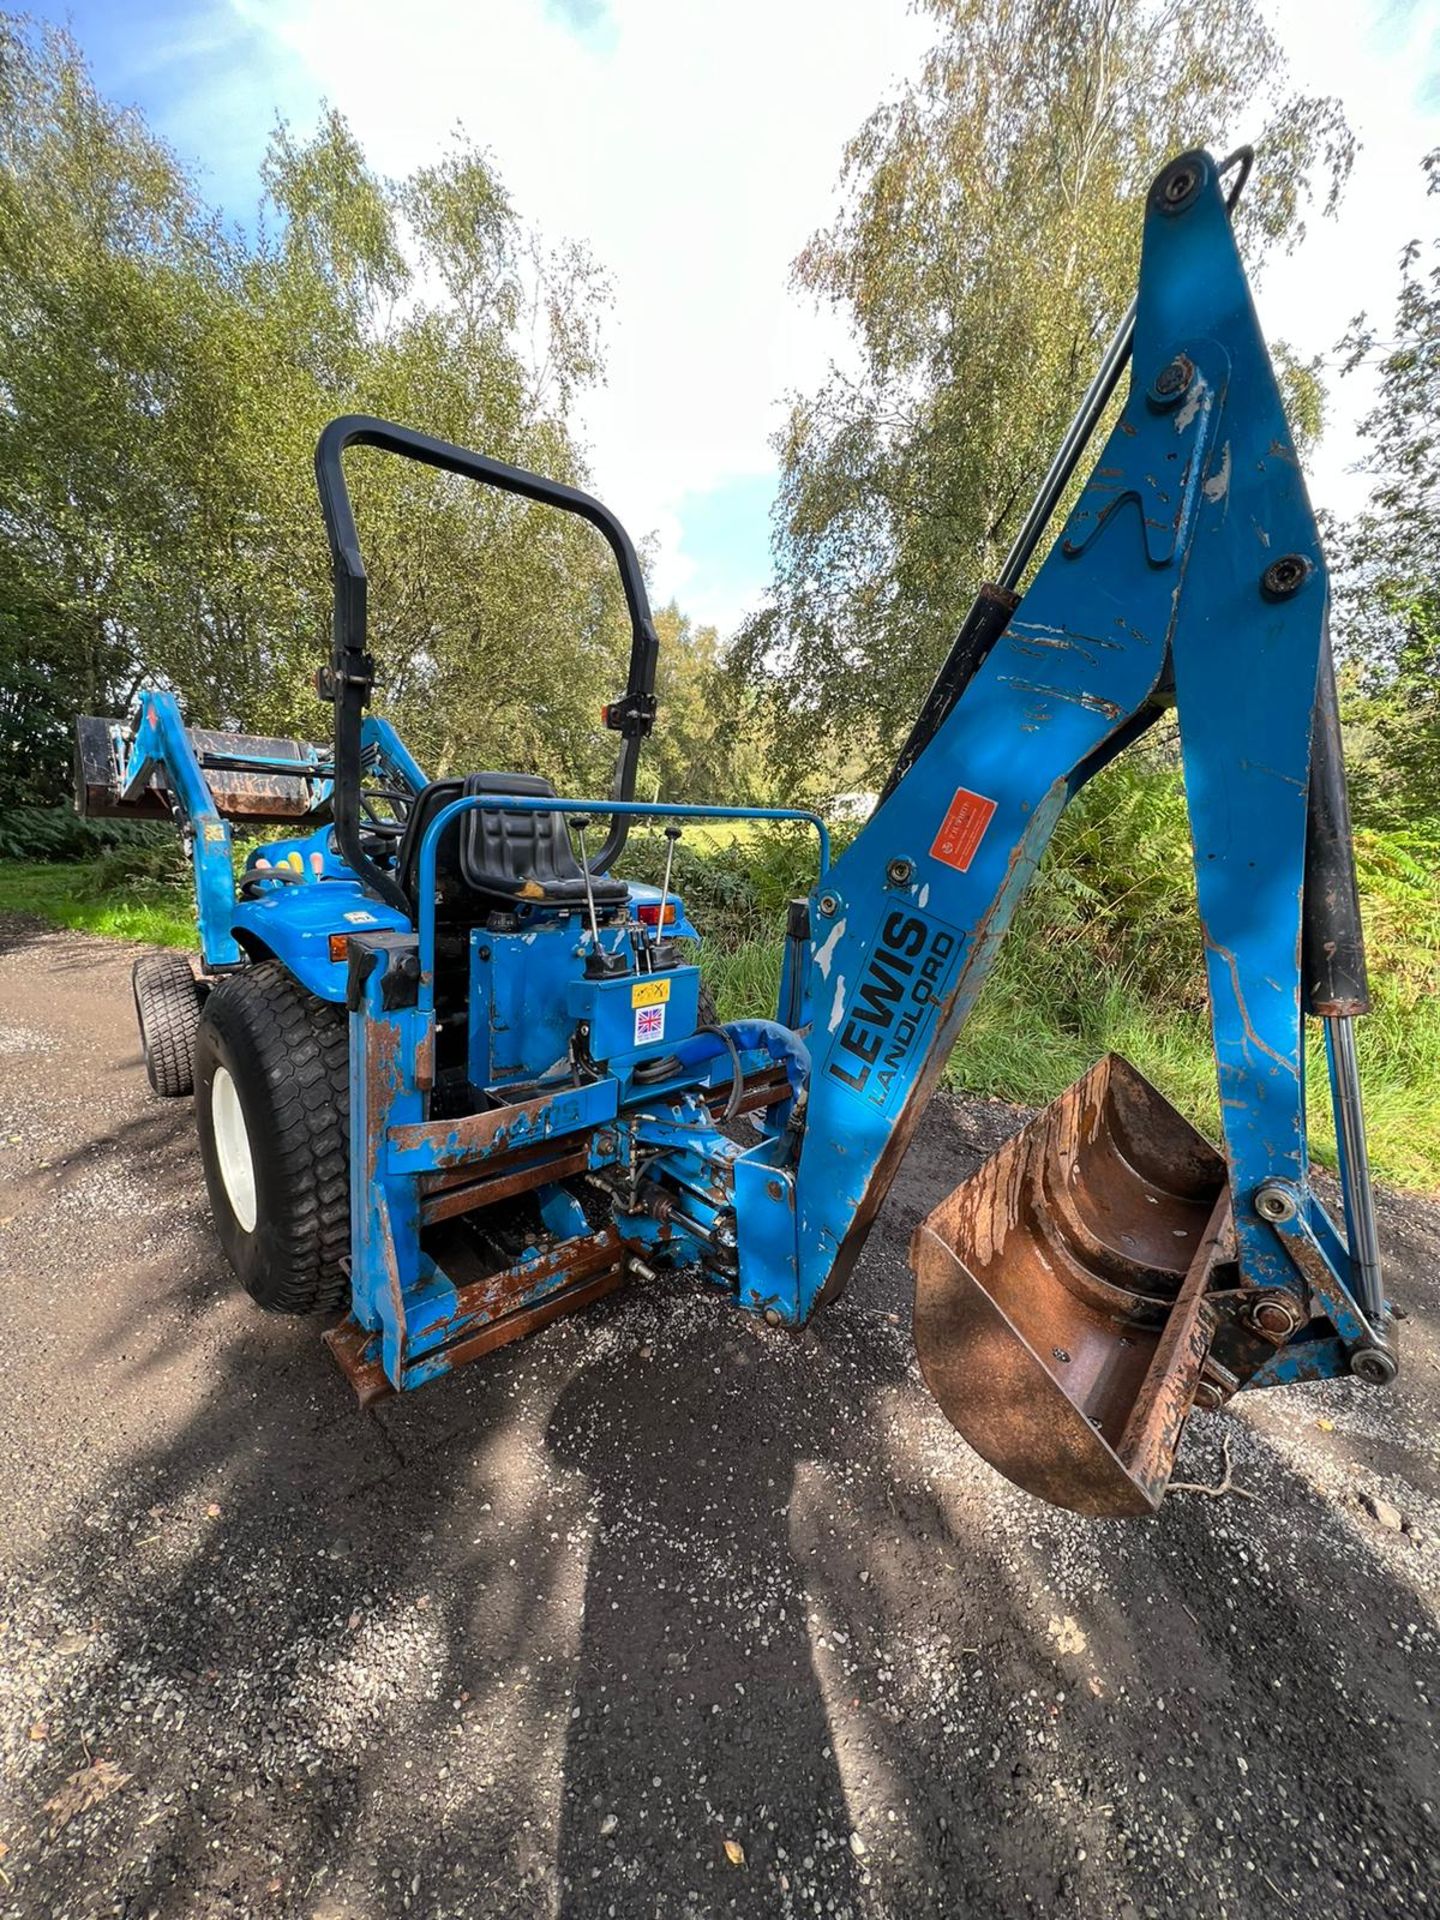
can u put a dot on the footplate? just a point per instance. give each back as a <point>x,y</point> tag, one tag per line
<point>1061,1316</point>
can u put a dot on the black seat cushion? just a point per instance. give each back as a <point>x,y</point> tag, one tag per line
<point>495,859</point>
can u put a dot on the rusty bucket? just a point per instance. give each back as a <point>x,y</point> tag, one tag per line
<point>1060,1310</point>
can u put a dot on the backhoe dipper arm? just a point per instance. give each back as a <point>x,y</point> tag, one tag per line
<point>1189,570</point>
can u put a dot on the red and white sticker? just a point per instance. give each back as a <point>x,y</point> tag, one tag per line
<point>962,829</point>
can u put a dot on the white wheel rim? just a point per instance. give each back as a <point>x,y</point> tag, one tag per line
<point>232,1148</point>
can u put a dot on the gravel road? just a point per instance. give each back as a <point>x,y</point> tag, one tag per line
<point>661,1612</point>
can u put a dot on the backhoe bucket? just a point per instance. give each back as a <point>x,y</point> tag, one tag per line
<point>1060,1311</point>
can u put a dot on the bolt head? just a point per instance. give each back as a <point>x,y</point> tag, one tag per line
<point>899,871</point>
<point>772,1317</point>
<point>1207,1396</point>
<point>827,903</point>
<point>1285,576</point>
<point>1173,381</point>
<point>1179,184</point>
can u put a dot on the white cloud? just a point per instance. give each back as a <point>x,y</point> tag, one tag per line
<point>1377,60</point>
<point>694,148</point>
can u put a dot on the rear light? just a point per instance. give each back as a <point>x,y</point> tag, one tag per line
<point>339,946</point>
<point>649,914</point>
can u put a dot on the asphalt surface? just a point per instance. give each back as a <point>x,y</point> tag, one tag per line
<point>661,1612</point>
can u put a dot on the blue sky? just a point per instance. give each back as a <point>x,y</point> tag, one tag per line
<point>206,77</point>
<point>694,148</point>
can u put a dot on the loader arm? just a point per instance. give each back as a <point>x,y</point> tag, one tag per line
<point>1190,572</point>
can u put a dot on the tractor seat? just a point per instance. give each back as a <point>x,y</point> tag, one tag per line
<point>493,860</point>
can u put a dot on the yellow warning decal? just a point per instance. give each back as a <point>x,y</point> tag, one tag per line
<point>649,993</point>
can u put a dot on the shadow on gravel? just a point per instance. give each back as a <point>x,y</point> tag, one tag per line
<point>543,1638</point>
<point>698,1716</point>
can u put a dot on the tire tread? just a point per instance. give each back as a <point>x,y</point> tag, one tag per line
<point>168,1004</point>
<point>301,1045</point>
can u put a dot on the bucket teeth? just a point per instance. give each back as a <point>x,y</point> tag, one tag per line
<point>1060,1300</point>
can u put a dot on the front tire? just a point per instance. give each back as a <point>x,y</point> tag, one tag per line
<point>272,1103</point>
<point>168,1000</point>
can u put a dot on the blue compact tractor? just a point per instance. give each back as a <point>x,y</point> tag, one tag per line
<point>455,1076</point>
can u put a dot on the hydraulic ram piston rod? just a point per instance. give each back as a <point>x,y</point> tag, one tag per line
<point>1356,1190</point>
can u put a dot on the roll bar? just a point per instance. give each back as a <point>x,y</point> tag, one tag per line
<point>352,669</point>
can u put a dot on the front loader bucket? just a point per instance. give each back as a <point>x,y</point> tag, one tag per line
<point>1060,1312</point>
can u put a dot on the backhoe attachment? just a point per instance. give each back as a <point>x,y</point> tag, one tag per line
<point>496,1057</point>
<point>1108,1269</point>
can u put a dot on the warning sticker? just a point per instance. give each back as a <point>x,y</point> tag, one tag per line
<point>649,1024</point>
<point>962,829</point>
<point>650,993</point>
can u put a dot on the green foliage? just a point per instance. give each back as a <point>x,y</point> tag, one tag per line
<point>69,896</point>
<point>702,749</point>
<point>734,886</point>
<point>154,865</point>
<point>58,833</point>
<point>1105,953</point>
<point>164,382</point>
<point>986,248</point>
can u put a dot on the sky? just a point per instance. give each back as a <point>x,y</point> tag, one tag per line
<point>694,148</point>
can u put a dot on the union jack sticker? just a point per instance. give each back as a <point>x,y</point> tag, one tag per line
<point>649,1025</point>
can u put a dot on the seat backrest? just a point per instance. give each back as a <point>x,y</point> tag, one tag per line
<point>498,859</point>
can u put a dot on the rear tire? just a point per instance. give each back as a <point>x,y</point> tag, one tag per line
<point>168,1001</point>
<point>272,1103</point>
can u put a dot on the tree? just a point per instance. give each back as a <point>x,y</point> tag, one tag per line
<point>1389,598</point>
<point>986,247</point>
<point>703,748</point>
<point>164,380</point>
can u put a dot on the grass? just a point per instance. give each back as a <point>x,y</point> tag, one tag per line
<point>1024,1045</point>
<point>74,895</point>
<point>1016,1047</point>
<point>745,978</point>
<point>1103,957</point>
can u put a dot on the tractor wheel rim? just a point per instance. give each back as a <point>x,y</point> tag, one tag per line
<point>232,1148</point>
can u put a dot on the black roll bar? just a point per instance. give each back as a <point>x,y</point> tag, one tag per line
<point>352,670</point>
